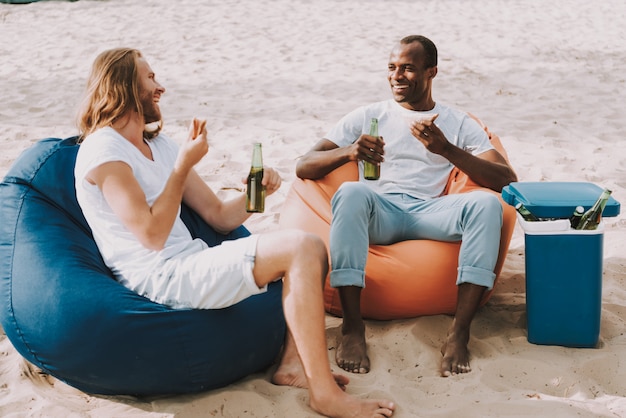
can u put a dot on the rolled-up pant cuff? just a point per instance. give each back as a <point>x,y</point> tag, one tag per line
<point>477,276</point>
<point>347,277</point>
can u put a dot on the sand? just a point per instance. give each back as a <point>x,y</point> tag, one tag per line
<point>547,77</point>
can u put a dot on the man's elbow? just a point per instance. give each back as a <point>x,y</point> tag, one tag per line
<point>510,178</point>
<point>153,241</point>
<point>302,170</point>
<point>505,181</point>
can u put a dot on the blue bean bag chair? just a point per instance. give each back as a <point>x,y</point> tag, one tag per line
<point>63,311</point>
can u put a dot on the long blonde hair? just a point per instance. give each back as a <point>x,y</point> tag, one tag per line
<point>112,91</point>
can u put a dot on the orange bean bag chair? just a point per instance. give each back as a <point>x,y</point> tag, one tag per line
<point>402,280</point>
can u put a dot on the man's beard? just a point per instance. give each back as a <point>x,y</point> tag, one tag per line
<point>151,110</point>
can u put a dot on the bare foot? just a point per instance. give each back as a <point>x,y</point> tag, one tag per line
<point>455,355</point>
<point>351,352</point>
<point>292,374</point>
<point>340,405</point>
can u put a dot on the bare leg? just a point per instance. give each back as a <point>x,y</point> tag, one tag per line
<point>303,264</point>
<point>455,352</point>
<point>352,349</point>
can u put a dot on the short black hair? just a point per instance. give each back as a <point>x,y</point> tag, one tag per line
<point>430,50</point>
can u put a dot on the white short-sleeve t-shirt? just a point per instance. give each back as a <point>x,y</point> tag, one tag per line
<point>120,249</point>
<point>409,167</point>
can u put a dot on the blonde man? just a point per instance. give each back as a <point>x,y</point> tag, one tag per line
<point>130,183</point>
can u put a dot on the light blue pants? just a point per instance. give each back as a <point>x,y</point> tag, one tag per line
<point>362,217</point>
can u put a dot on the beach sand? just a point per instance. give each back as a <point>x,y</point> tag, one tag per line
<point>547,77</point>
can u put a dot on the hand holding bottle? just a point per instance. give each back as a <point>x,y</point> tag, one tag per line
<point>371,149</point>
<point>261,182</point>
<point>271,180</point>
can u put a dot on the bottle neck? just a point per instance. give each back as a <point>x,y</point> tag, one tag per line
<point>374,127</point>
<point>601,202</point>
<point>257,156</point>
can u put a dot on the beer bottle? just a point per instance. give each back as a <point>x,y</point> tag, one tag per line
<point>526,214</point>
<point>574,220</point>
<point>372,171</point>
<point>591,219</point>
<point>255,199</point>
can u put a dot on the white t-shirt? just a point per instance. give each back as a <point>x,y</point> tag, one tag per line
<point>409,167</point>
<point>121,250</point>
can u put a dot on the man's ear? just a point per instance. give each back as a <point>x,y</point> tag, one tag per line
<point>432,72</point>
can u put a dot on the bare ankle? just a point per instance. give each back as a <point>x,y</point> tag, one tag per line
<point>354,326</point>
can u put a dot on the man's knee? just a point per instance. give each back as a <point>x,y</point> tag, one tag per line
<point>487,205</point>
<point>306,244</point>
<point>351,194</point>
<point>314,244</point>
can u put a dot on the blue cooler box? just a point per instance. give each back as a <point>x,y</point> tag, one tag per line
<point>563,265</point>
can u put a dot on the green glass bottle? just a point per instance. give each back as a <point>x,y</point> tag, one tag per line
<point>255,199</point>
<point>372,171</point>
<point>526,214</point>
<point>591,219</point>
<point>574,220</point>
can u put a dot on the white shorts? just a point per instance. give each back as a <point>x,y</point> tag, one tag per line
<point>210,278</point>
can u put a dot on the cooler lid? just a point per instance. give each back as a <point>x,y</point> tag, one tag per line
<point>557,199</point>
